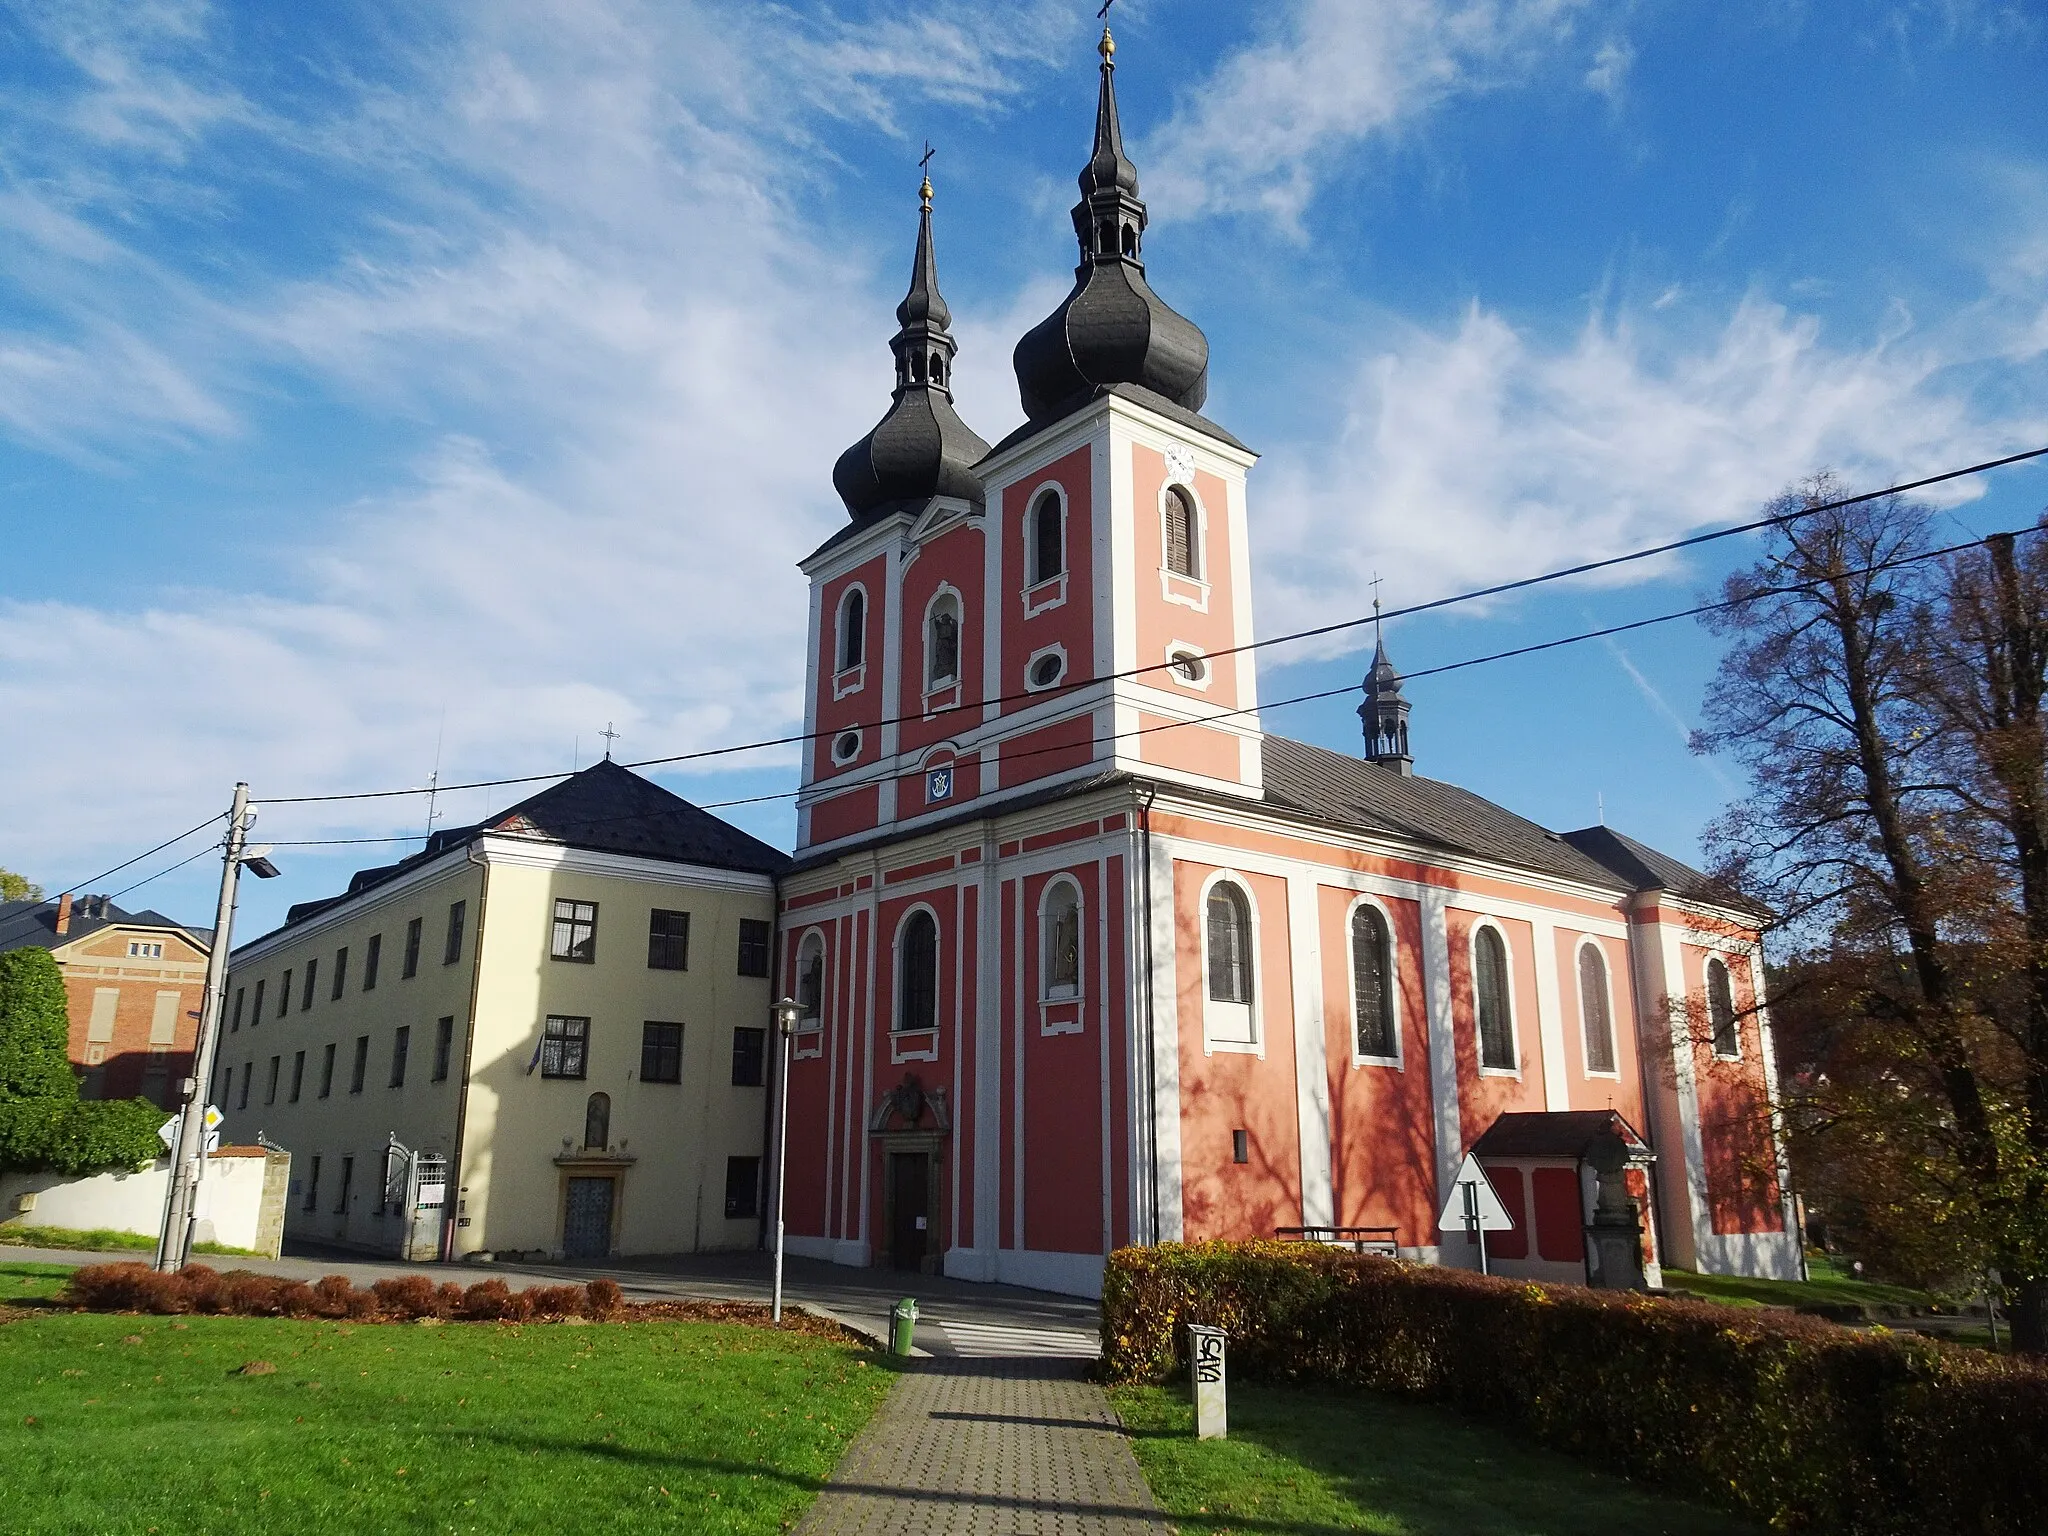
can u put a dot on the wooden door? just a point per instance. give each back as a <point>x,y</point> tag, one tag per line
<point>910,1213</point>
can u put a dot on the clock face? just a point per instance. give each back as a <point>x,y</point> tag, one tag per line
<point>1180,464</point>
<point>938,784</point>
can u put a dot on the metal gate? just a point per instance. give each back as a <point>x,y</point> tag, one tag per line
<point>587,1223</point>
<point>416,1191</point>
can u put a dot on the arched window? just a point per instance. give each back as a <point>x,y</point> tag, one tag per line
<point>1721,1012</point>
<point>1131,240</point>
<point>1060,940</point>
<point>597,1122</point>
<point>1230,945</point>
<point>942,644</point>
<point>1490,998</point>
<point>917,973</point>
<point>1372,977</point>
<point>1593,1011</point>
<point>810,980</point>
<point>853,629</point>
<point>1183,533</point>
<point>1048,544</point>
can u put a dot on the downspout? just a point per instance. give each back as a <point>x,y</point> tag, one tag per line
<point>451,1196</point>
<point>1648,1129</point>
<point>1151,1073</point>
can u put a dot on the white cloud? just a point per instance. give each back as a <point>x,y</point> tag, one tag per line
<point>1466,458</point>
<point>1609,75</point>
<point>1276,117</point>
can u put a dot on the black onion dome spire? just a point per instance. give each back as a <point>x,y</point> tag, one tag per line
<point>921,448</point>
<point>1384,714</point>
<point>1112,329</point>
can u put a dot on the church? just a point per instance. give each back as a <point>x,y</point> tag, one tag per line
<point>1085,957</point>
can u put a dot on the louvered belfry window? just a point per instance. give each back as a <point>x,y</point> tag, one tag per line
<point>1372,992</point>
<point>1181,540</point>
<point>1230,959</point>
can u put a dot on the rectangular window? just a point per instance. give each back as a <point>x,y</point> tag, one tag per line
<point>284,995</point>
<point>312,973</point>
<point>227,1083</point>
<point>313,1185</point>
<point>256,1013</point>
<point>401,1045</point>
<point>270,1081</point>
<point>348,1177</point>
<point>327,1072</point>
<point>236,1023</point>
<point>742,1186</point>
<point>452,950</point>
<point>1240,1146</point>
<point>661,1053</point>
<point>754,936</point>
<point>412,949</point>
<point>362,1064</point>
<point>298,1075</point>
<point>563,1043</point>
<point>143,949</point>
<point>444,1045</point>
<point>340,974</point>
<point>372,953</point>
<point>575,932</point>
<point>668,940</point>
<point>248,1071</point>
<point>749,1054</point>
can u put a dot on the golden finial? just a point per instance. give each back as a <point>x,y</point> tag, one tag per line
<point>925,165</point>
<point>1107,47</point>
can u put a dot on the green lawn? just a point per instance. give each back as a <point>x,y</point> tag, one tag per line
<point>20,1282</point>
<point>100,1240</point>
<point>146,1424</point>
<point>1305,1462</point>
<point>1829,1284</point>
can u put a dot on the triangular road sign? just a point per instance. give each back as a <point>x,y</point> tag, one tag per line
<point>167,1133</point>
<point>1457,1212</point>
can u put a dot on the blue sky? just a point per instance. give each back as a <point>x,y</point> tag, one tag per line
<point>379,381</point>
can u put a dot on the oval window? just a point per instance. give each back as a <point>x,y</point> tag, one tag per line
<point>1188,667</point>
<point>1048,670</point>
<point>846,746</point>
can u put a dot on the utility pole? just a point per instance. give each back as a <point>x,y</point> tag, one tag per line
<point>188,1154</point>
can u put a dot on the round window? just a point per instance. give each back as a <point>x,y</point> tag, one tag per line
<point>1048,670</point>
<point>1188,667</point>
<point>846,746</point>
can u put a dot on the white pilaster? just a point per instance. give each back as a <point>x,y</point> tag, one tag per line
<point>1443,1040</point>
<point>1550,1016</point>
<point>1311,1064</point>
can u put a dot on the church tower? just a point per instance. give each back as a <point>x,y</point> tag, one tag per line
<point>1384,714</point>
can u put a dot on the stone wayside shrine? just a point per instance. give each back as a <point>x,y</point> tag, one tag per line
<point>1086,956</point>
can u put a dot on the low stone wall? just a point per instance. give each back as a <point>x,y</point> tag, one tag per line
<point>241,1200</point>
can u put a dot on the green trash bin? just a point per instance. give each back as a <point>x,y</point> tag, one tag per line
<point>902,1326</point>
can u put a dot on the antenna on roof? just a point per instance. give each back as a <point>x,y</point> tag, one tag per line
<point>434,778</point>
<point>1600,801</point>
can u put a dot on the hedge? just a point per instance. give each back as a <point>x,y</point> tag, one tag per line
<point>79,1135</point>
<point>1791,1421</point>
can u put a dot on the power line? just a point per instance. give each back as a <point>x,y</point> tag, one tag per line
<point>169,869</point>
<point>1477,594</point>
<point>159,848</point>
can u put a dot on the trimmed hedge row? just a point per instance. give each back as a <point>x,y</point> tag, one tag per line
<point>1793,1422</point>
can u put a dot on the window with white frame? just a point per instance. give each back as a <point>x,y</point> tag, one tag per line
<point>1372,982</point>
<point>1490,1001</point>
<point>917,972</point>
<point>1048,534</point>
<point>1596,1017</point>
<point>942,643</point>
<point>1060,940</point>
<point>1227,938</point>
<point>810,982</point>
<point>1721,1012</point>
<point>1183,533</point>
<point>852,628</point>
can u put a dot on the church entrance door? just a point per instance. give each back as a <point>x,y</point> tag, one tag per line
<point>587,1221</point>
<point>910,1213</point>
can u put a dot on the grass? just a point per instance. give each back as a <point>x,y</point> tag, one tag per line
<point>102,1240</point>
<point>1830,1283</point>
<point>28,1282</point>
<point>1304,1462</point>
<point>406,1428</point>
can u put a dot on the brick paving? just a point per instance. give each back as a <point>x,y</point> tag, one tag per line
<point>990,1447</point>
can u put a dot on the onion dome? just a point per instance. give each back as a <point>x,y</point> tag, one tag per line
<point>921,448</point>
<point>1112,329</point>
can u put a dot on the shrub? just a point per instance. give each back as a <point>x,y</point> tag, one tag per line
<point>331,1294</point>
<point>605,1299</point>
<point>407,1297</point>
<point>555,1301</point>
<point>492,1301</point>
<point>1794,1422</point>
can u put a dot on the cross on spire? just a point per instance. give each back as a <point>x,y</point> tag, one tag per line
<point>924,164</point>
<point>609,736</point>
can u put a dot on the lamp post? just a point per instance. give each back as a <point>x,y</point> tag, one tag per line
<point>786,1015</point>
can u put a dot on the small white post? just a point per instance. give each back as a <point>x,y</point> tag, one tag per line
<point>1205,1350</point>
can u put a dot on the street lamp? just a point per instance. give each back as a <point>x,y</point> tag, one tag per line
<point>786,1014</point>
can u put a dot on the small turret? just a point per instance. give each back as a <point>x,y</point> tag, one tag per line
<point>1384,713</point>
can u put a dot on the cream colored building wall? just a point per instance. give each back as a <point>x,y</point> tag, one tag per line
<point>345,1124</point>
<point>669,1142</point>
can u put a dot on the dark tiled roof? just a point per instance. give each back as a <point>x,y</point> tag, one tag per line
<point>1558,1133</point>
<point>605,808</point>
<point>1646,869</point>
<point>23,923</point>
<point>1352,792</point>
<point>1137,394</point>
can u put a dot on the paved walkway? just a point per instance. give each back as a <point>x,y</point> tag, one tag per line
<point>1009,1447</point>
